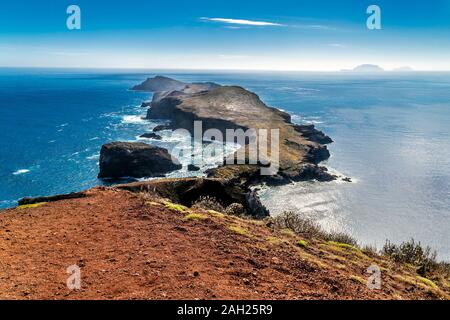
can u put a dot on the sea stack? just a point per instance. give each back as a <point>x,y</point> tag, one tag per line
<point>134,159</point>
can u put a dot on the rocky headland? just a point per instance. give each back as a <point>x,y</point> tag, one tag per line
<point>192,238</point>
<point>302,148</point>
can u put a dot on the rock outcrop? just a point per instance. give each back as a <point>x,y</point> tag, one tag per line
<point>137,160</point>
<point>159,84</point>
<point>301,148</point>
<point>187,191</point>
<point>232,107</point>
<point>151,135</point>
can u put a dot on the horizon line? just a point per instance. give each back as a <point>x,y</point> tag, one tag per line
<point>344,71</point>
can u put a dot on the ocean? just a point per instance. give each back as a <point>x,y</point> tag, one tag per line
<point>391,133</point>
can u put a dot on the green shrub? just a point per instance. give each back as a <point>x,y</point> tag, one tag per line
<point>301,226</point>
<point>340,237</point>
<point>310,229</point>
<point>413,253</point>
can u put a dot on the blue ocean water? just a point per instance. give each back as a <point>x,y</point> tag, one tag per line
<point>391,133</point>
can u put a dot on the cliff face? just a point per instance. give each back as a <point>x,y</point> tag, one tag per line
<point>232,107</point>
<point>128,159</point>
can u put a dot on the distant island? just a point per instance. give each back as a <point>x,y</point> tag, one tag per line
<point>365,68</point>
<point>370,68</point>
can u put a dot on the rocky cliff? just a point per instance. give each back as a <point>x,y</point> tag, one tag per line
<point>302,148</point>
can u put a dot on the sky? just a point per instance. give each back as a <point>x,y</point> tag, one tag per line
<point>309,35</point>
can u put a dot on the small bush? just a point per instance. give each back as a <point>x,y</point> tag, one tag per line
<point>310,229</point>
<point>340,237</point>
<point>370,251</point>
<point>413,253</point>
<point>208,203</point>
<point>301,226</point>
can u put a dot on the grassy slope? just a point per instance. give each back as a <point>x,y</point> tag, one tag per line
<point>134,247</point>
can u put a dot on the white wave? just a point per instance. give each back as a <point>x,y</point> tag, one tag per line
<point>133,119</point>
<point>95,156</point>
<point>20,171</point>
<point>298,119</point>
<point>95,138</point>
<point>308,89</point>
<point>313,122</point>
<point>8,203</point>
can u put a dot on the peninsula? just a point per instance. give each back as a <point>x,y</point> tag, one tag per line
<point>200,237</point>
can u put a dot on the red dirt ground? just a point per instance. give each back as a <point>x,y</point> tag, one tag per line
<point>130,249</point>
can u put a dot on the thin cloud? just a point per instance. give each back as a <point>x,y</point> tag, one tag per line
<point>337,45</point>
<point>243,22</point>
<point>233,56</point>
<point>314,27</point>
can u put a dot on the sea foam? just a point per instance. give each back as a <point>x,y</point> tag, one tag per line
<point>20,171</point>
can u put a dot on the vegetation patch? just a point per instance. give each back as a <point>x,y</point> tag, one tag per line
<point>428,282</point>
<point>215,213</point>
<point>302,243</point>
<point>175,207</point>
<point>311,259</point>
<point>33,205</point>
<point>274,240</point>
<point>358,280</point>
<point>287,232</point>
<point>310,229</point>
<point>342,245</point>
<point>239,230</point>
<point>423,259</point>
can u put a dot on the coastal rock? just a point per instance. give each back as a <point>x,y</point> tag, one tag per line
<point>255,206</point>
<point>161,85</point>
<point>131,159</point>
<point>187,191</point>
<point>318,154</point>
<point>151,135</point>
<point>225,108</point>
<point>146,104</point>
<point>311,171</point>
<point>312,134</point>
<point>193,167</point>
<point>162,127</point>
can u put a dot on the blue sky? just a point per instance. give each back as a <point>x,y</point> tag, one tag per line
<point>264,35</point>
